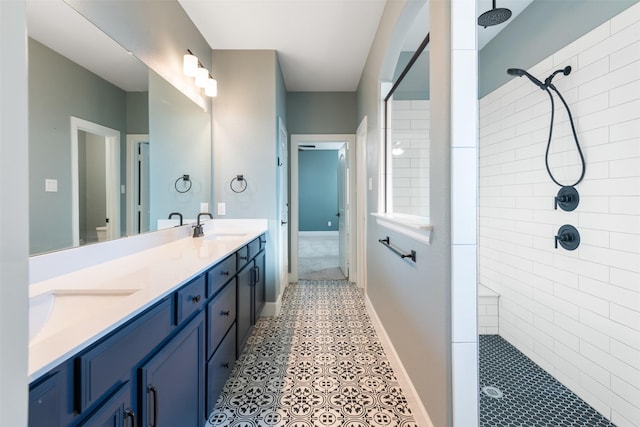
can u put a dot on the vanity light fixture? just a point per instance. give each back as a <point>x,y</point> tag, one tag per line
<point>192,67</point>
<point>190,64</point>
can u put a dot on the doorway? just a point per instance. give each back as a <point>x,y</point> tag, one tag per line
<point>95,182</point>
<point>331,246</point>
<point>138,184</point>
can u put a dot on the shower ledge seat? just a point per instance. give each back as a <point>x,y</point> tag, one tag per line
<point>487,311</point>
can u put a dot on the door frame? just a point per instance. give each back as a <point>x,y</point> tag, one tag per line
<point>132,183</point>
<point>361,204</point>
<point>112,166</point>
<point>296,140</point>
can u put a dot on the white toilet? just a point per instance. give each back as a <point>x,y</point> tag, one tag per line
<point>102,233</point>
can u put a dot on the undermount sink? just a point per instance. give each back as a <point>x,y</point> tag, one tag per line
<point>224,236</point>
<point>52,311</point>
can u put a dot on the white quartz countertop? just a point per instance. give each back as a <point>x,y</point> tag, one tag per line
<point>89,303</point>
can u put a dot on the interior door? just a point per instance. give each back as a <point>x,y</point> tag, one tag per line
<point>143,189</point>
<point>342,212</point>
<point>283,204</point>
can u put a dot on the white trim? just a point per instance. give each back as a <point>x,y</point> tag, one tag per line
<point>417,408</point>
<point>297,139</point>
<point>413,227</point>
<point>361,204</point>
<point>319,233</point>
<point>112,163</point>
<point>132,141</point>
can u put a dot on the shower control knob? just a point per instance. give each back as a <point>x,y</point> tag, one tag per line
<point>568,237</point>
<point>567,198</point>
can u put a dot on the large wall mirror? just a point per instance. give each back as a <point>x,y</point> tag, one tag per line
<point>407,126</point>
<point>108,137</point>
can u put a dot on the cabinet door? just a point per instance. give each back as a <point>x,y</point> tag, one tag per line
<point>245,308</point>
<point>219,368</point>
<point>45,401</point>
<point>115,412</point>
<point>259,287</point>
<point>172,381</point>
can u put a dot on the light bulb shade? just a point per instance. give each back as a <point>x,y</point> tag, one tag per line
<point>201,77</point>
<point>190,65</point>
<point>211,89</point>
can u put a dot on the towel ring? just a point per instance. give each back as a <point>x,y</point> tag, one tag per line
<point>238,184</point>
<point>186,184</point>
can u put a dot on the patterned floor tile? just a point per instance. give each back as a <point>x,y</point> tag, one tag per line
<point>318,364</point>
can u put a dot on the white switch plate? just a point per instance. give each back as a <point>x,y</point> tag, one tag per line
<point>204,207</point>
<point>122,189</point>
<point>51,185</point>
<point>222,208</point>
<point>370,184</point>
<point>328,223</point>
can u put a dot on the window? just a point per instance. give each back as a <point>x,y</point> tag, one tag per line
<point>407,136</point>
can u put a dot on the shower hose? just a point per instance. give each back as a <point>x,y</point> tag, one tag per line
<point>575,137</point>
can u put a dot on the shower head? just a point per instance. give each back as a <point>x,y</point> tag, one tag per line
<point>518,72</point>
<point>494,16</point>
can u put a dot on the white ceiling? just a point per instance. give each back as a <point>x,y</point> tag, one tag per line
<point>322,44</point>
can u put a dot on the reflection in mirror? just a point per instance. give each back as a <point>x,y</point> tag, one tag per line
<point>78,74</point>
<point>407,129</point>
<point>81,83</point>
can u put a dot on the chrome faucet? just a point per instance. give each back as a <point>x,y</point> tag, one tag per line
<point>176,213</point>
<point>197,229</point>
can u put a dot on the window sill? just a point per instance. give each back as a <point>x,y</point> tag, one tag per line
<point>414,227</point>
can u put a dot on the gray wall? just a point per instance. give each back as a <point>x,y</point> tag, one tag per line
<point>540,30</point>
<point>138,112</point>
<point>245,117</point>
<point>14,221</point>
<point>180,143</point>
<point>321,112</point>
<point>318,188</point>
<point>59,89</point>
<point>412,300</point>
<point>95,203</point>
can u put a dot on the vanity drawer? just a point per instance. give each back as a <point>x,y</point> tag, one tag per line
<point>242,255</point>
<point>109,363</point>
<point>190,298</point>
<point>254,247</point>
<point>220,274</point>
<point>221,313</point>
<point>219,367</point>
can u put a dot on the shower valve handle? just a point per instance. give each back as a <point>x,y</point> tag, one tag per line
<point>568,237</point>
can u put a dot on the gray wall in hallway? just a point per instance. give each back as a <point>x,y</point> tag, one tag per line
<point>321,112</point>
<point>412,300</point>
<point>57,90</point>
<point>541,29</point>
<point>138,112</point>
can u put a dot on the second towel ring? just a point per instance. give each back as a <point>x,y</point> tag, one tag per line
<point>238,184</point>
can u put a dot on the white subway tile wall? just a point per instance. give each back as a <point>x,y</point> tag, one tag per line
<point>409,148</point>
<point>576,314</point>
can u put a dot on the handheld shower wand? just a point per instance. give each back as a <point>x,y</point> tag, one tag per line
<point>546,86</point>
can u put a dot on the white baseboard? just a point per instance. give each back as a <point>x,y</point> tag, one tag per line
<point>419,411</point>
<point>273,308</point>
<point>318,233</point>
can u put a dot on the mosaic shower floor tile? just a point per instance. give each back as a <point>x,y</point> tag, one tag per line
<point>515,392</point>
<point>319,363</point>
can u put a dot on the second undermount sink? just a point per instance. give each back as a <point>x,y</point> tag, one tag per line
<point>224,236</point>
<point>51,311</point>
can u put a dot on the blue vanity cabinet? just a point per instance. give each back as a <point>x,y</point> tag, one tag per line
<point>244,306</point>
<point>115,412</point>
<point>259,286</point>
<point>110,362</point>
<point>190,298</point>
<point>49,405</point>
<point>219,367</point>
<point>171,382</point>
